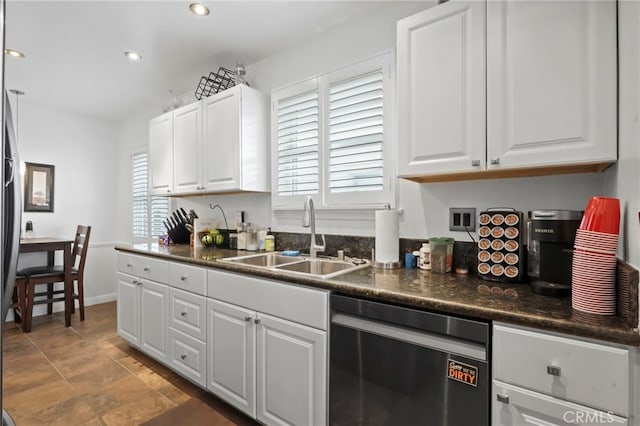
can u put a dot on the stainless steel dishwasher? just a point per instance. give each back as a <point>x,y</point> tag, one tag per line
<point>392,365</point>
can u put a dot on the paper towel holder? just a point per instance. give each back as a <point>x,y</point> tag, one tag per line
<point>385,265</point>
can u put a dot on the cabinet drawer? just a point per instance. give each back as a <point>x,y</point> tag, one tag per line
<point>144,267</point>
<point>517,406</point>
<point>188,356</point>
<point>187,313</point>
<point>587,373</point>
<point>189,278</point>
<point>288,301</point>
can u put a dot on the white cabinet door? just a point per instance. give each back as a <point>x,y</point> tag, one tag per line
<point>231,354</point>
<point>154,319</point>
<point>187,140</point>
<point>291,370</point>
<point>441,89</point>
<point>515,406</point>
<point>551,83</point>
<point>221,115</point>
<point>161,154</point>
<point>128,309</point>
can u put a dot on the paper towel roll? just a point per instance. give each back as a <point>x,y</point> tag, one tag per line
<point>387,241</point>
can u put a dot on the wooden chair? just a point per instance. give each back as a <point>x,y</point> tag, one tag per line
<point>52,274</point>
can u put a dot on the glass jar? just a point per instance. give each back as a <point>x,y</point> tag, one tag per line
<point>441,254</point>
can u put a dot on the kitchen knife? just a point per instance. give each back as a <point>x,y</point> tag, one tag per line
<point>164,222</point>
<point>195,216</point>
<point>183,218</point>
<point>176,218</point>
<point>186,216</point>
<point>173,222</point>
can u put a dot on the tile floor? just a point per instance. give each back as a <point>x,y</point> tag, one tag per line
<point>87,375</point>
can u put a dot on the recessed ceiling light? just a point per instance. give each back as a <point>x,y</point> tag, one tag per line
<point>199,9</point>
<point>134,56</point>
<point>13,53</point>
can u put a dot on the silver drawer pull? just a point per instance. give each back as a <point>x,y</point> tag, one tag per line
<point>553,370</point>
<point>503,398</point>
<point>256,321</point>
<point>146,269</point>
<point>183,356</point>
<point>183,278</point>
<point>129,265</point>
<point>475,163</point>
<point>247,319</point>
<point>495,161</point>
<point>184,314</point>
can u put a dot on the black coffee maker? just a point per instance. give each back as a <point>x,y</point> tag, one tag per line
<point>550,250</point>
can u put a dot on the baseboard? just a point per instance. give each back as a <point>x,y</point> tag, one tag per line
<point>40,310</point>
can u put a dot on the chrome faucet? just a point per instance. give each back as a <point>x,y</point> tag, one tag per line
<point>309,220</point>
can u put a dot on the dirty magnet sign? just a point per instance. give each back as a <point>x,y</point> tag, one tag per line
<point>465,373</point>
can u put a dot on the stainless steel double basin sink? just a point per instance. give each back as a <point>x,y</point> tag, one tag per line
<point>298,265</point>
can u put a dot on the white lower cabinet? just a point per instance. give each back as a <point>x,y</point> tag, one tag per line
<point>143,312</point>
<point>513,405</point>
<point>291,371</point>
<point>270,368</point>
<point>267,348</point>
<point>258,344</point>
<point>550,379</point>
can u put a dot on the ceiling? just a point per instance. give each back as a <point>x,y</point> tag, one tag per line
<point>75,49</point>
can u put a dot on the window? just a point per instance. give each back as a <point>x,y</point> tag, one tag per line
<point>147,211</point>
<point>331,139</point>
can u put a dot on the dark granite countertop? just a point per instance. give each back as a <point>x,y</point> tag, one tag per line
<point>463,295</point>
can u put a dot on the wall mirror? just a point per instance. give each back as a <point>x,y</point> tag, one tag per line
<point>38,187</point>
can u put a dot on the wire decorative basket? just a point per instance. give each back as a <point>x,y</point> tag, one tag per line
<point>215,82</point>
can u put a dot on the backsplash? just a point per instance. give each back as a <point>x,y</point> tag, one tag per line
<point>464,252</point>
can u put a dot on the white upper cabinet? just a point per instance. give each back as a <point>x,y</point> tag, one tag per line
<point>551,69</point>
<point>236,141</point>
<point>219,144</point>
<point>161,155</point>
<point>441,89</point>
<point>187,145</point>
<point>550,75</point>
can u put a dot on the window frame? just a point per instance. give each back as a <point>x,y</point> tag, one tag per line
<point>324,199</point>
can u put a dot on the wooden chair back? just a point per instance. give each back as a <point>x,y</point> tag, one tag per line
<point>80,247</point>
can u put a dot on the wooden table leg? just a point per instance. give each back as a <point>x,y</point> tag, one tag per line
<point>68,290</point>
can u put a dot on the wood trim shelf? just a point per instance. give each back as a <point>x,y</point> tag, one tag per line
<point>511,173</point>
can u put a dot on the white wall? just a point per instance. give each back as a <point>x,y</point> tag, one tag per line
<point>83,151</point>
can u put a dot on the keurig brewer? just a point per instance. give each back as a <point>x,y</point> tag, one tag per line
<point>550,250</point>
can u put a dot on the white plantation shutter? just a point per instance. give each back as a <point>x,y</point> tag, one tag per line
<point>331,139</point>
<point>297,145</point>
<point>147,212</point>
<point>356,134</point>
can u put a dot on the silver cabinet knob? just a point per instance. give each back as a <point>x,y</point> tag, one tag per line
<point>146,269</point>
<point>183,313</point>
<point>247,319</point>
<point>256,321</point>
<point>183,278</point>
<point>183,356</point>
<point>553,370</point>
<point>475,163</point>
<point>129,265</point>
<point>495,161</point>
<point>502,398</point>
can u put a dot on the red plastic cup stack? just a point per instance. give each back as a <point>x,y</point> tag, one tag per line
<point>593,286</point>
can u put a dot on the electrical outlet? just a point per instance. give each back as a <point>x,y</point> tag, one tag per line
<point>462,219</point>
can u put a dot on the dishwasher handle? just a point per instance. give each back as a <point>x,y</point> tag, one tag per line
<point>442,343</point>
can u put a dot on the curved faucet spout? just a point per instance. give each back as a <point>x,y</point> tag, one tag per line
<point>309,220</point>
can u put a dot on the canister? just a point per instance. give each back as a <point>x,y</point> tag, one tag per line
<point>441,254</point>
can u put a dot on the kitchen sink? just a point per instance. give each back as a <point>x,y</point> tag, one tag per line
<point>318,266</point>
<point>263,259</point>
<point>299,265</point>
